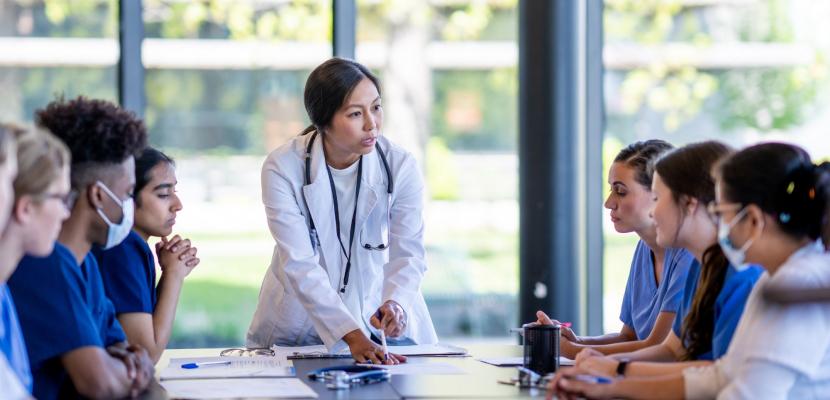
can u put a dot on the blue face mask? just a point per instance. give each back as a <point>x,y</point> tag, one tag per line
<point>736,257</point>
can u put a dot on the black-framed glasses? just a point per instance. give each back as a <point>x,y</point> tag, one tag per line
<point>247,352</point>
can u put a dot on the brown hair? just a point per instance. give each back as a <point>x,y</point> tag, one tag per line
<point>41,158</point>
<point>687,173</point>
<point>641,157</point>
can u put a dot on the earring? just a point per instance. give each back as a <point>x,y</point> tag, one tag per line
<point>784,217</point>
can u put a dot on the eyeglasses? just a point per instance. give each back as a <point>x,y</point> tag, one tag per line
<point>247,352</point>
<point>716,209</point>
<point>68,199</point>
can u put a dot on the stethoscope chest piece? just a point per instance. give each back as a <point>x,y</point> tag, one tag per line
<point>345,376</point>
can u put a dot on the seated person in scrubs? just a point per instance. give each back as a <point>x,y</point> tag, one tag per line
<point>146,311</point>
<point>15,377</point>
<point>715,291</point>
<point>75,344</point>
<point>38,208</point>
<point>655,282</point>
<point>770,209</point>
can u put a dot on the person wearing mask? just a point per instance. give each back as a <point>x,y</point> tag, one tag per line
<point>75,344</point>
<point>145,310</point>
<point>771,209</point>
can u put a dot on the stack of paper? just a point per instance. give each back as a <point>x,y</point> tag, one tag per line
<point>321,351</point>
<point>286,388</point>
<point>518,361</point>
<point>239,367</point>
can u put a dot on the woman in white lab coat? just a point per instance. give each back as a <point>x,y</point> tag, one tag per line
<point>344,206</point>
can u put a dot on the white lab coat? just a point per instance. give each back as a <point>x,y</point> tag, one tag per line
<point>300,302</point>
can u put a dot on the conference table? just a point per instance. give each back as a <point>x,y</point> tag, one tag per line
<point>479,382</point>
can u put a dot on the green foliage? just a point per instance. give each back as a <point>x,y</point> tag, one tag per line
<point>442,178</point>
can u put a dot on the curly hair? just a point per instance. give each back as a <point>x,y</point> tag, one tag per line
<point>98,133</point>
<point>94,130</point>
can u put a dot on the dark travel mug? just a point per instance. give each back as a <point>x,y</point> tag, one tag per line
<point>541,348</point>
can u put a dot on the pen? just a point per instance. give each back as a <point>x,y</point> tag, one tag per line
<point>383,343</point>
<point>592,379</point>
<point>204,364</point>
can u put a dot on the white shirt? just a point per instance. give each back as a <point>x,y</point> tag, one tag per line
<point>778,351</point>
<point>345,181</point>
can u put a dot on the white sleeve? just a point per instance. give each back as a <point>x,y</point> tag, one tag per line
<point>298,263</point>
<point>703,382</point>
<point>406,267</point>
<point>759,379</point>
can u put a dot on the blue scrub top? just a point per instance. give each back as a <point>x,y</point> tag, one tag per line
<point>12,344</point>
<point>62,307</point>
<point>728,306</point>
<point>129,274</point>
<point>644,300</point>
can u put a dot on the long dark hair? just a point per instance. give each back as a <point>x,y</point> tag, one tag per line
<point>329,86</point>
<point>641,157</point>
<point>144,163</point>
<point>687,173</point>
<point>781,180</point>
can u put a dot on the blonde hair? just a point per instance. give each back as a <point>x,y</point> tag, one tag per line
<point>8,133</point>
<point>41,159</point>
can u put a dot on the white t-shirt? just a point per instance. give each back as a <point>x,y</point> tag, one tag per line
<point>345,181</point>
<point>10,383</point>
<point>778,351</point>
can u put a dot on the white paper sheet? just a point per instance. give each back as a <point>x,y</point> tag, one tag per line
<point>517,361</point>
<point>286,388</point>
<point>416,350</point>
<point>421,368</point>
<point>240,367</point>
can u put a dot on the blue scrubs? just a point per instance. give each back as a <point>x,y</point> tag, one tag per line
<point>644,300</point>
<point>728,306</point>
<point>12,344</point>
<point>62,307</point>
<point>129,274</point>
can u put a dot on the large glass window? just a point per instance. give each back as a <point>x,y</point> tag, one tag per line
<point>224,87</point>
<point>39,46</point>
<point>686,71</point>
<point>450,88</point>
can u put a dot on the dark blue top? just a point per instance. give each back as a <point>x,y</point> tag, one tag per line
<point>644,300</point>
<point>129,274</point>
<point>729,306</point>
<point>62,307</point>
<point>12,344</point>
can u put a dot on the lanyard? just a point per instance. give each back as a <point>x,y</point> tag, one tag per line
<point>354,219</point>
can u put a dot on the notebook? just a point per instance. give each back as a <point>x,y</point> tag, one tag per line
<point>239,367</point>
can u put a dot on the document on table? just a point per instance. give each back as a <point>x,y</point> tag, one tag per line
<point>286,388</point>
<point>518,361</point>
<point>321,351</point>
<point>239,367</point>
<point>421,368</point>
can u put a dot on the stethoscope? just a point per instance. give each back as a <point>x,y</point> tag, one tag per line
<point>344,376</point>
<point>315,240</point>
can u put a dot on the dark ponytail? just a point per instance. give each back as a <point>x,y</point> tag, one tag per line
<point>687,172</point>
<point>783,182</point>
<point>329,86</point>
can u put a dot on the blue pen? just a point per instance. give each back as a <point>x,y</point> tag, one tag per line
<point>204,364</point>
<point>592,379</point>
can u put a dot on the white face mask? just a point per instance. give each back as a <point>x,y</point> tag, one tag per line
<point>116,233</point>
<point>736,257</point>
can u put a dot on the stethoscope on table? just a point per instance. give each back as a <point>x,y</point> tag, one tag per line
<point>344,376</point>
<point>390,187</point>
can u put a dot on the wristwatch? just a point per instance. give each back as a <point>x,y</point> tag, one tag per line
<point>622,365</point>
